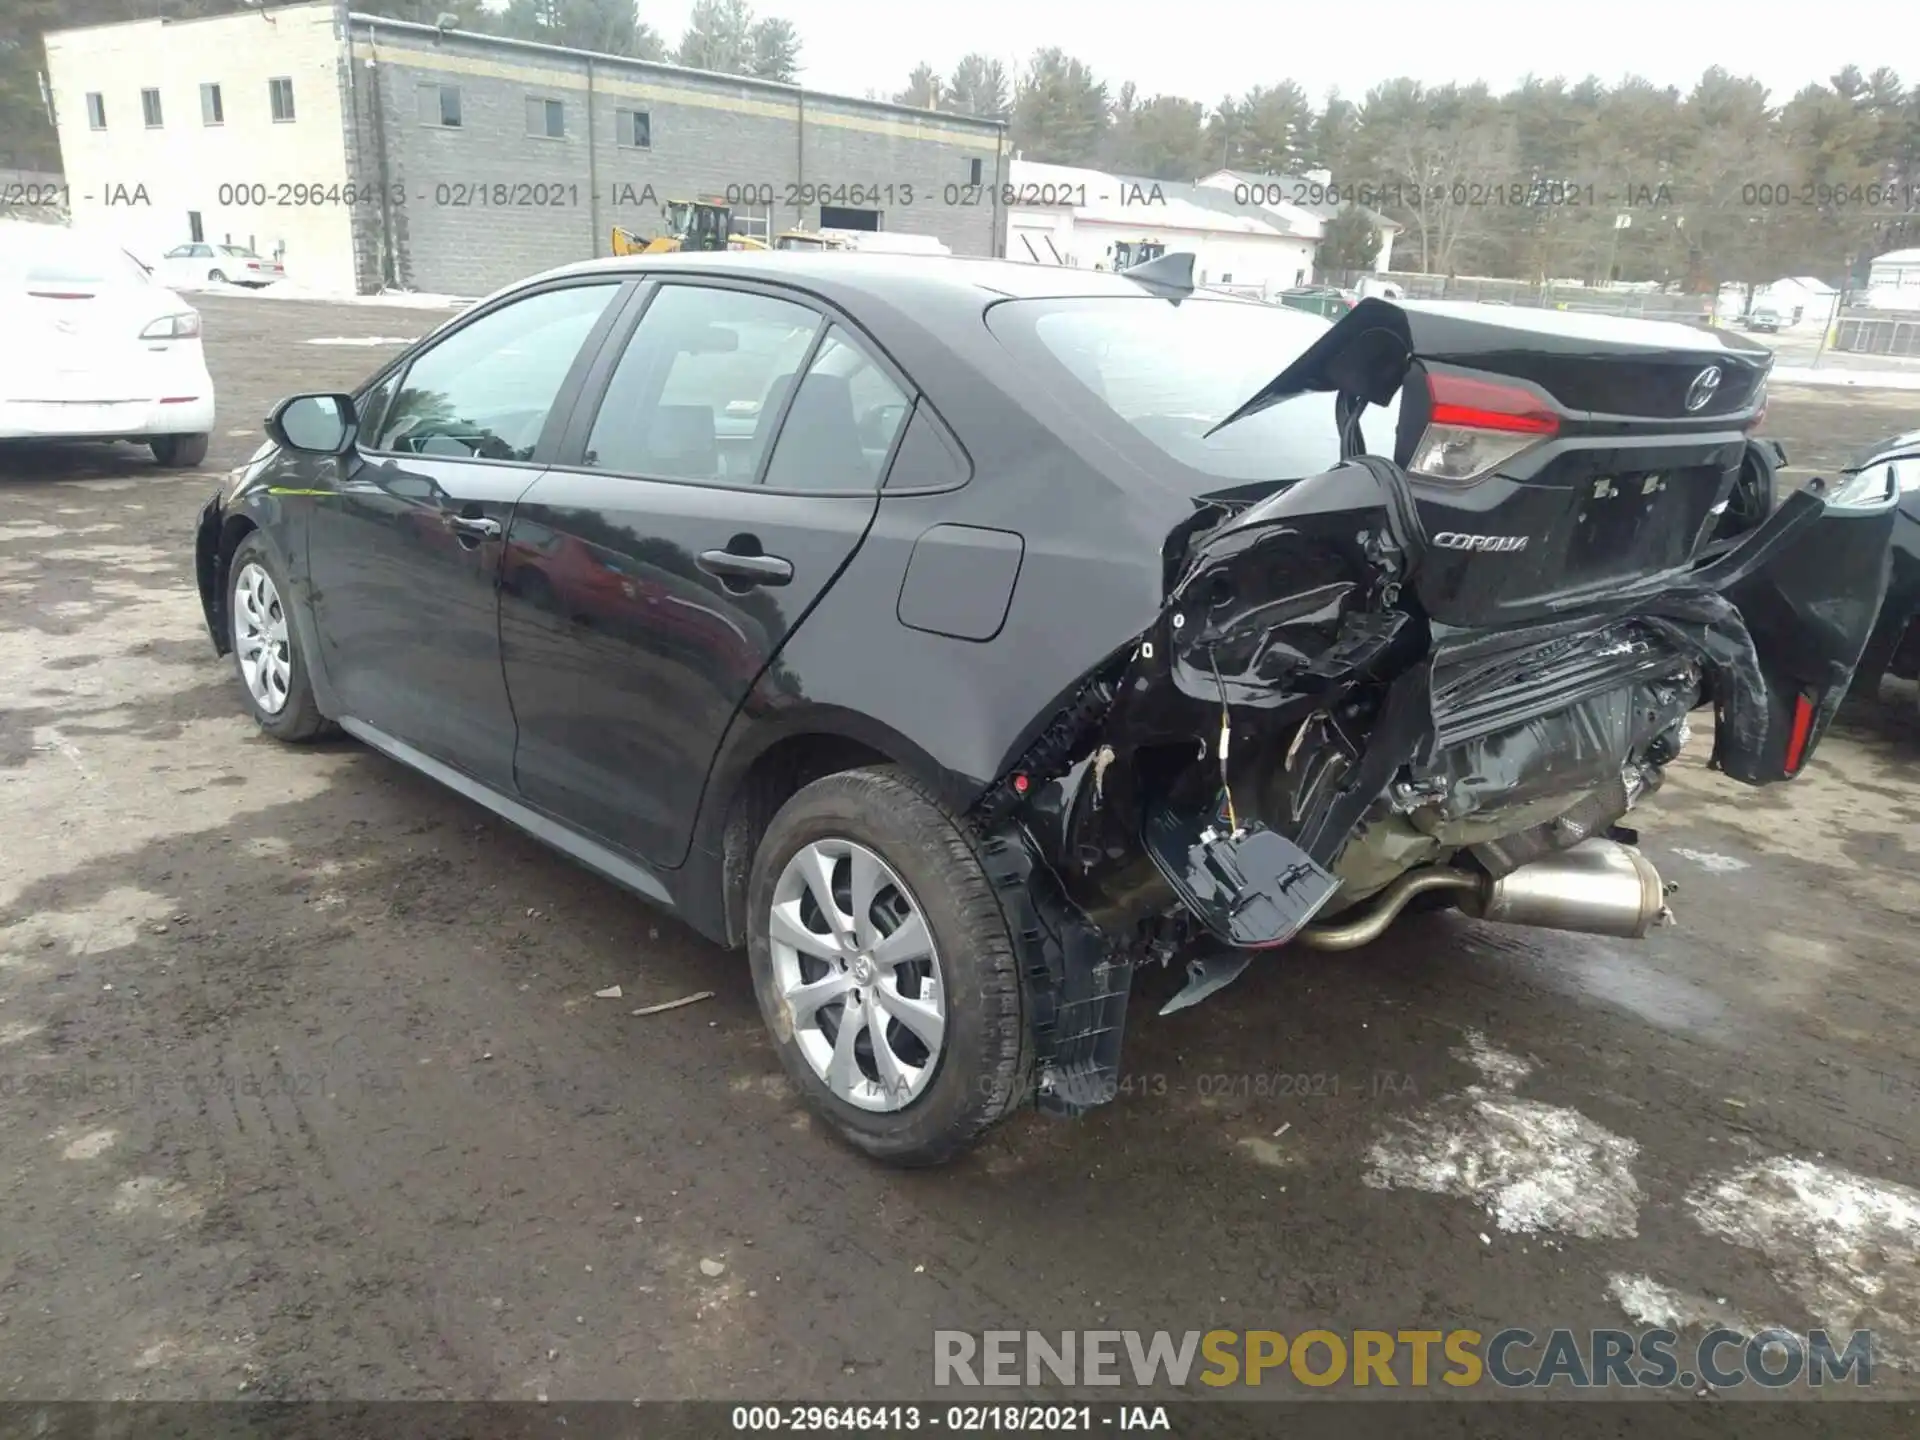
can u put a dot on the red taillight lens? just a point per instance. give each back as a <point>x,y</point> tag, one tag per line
<point>1801,733</point>
<point>1477,425</point>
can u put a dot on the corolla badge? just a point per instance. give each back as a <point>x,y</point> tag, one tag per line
<point>1484,544</point>
<point>1704,387</point>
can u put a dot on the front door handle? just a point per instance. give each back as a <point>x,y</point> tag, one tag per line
<point>476,527</point>
<point>746,569</point>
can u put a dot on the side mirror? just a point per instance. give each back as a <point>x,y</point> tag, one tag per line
<point>315,424</point>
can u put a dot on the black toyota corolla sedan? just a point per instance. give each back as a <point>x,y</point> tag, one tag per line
<point>958,636</point>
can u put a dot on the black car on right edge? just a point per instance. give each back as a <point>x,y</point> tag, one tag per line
<point>1894,647</point>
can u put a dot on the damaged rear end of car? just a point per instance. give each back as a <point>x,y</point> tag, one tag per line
<point>1448,666</point>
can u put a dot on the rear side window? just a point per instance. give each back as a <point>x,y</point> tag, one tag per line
<point>1171,373</point>
<point>841,428</point>
<point>483,393</point>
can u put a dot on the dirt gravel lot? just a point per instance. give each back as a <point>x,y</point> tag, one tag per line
<point>305,1091</point>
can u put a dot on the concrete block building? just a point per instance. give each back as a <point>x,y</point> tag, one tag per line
<point>371,153</point>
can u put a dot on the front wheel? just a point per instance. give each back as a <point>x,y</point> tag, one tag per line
<point>266,646</point>
<point>884,968</point>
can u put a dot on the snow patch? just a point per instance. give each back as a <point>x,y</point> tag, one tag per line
<point>1861,379</point>
<point>1532,1167</point>
<point>362,340</point>
<point>1647,1302</point>
<point>1714,864</point>
<point>151,1195</point>
<point>1502,1070</point>
<point>90,1146</point>
<point>1847,1244</point>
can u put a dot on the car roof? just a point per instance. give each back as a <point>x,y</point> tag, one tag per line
<point>895,279</point>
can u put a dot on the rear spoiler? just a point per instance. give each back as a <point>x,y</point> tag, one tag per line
<point>1368,350</point>
<point>1366,354</point>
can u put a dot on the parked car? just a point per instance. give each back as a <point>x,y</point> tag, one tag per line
<point>203,264</point>
<point>95,349</point>
<point>1323,300</point>
<point>1091,622</point>
<point>1894,648</point>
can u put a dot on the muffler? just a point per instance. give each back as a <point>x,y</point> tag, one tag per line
<point>1598,887</point>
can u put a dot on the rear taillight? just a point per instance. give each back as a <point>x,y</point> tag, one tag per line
<point>183,326</point>
<point>1802,731</point>
<point>1476,425</point>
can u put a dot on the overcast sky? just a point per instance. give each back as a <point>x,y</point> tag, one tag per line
<point>1203,49</point>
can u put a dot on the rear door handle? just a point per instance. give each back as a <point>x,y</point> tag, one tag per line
<point>477,526</point>
<point>746,569</point>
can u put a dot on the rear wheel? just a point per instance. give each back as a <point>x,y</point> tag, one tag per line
<point>217,277</point>
<point>884,968</point>
<point>179,452</point>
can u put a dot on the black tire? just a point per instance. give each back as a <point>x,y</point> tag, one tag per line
<point>985,1066</point>
<point>179,452</point>
<point>217,277</point>
<point>299,719</point>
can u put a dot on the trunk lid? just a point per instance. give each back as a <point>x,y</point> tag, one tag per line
<point>1551,457</point>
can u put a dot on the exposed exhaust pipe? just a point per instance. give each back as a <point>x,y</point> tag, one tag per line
<point>1598,887</point>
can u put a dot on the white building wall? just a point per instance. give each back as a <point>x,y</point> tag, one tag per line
<point>1272,263</point>
<point>238,175</point>
<point>1043,237</point>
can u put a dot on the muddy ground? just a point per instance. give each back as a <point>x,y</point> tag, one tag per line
<point>305,1090</point>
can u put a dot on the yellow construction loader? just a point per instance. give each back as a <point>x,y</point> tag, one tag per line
<point>690,225</point>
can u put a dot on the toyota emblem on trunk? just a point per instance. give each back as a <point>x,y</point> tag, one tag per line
<point>1700,394</point>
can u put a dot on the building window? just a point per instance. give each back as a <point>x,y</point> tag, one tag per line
<point>96,110</point>
<point>280,97</point>
<point>440,105</point>
<point>150,108</point>
<point>211,112</point>
<point>840,217</point>
<point>546,118</point>
<point>633,129</point>
<point>754,222</point>
<point>973,171</point>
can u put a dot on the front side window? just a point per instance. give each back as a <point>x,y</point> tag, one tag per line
<point>842,424</point>
<point>484,392</point>
<point>280,97</point>
<point>150,108</point>
<point>1172,373</point>
<point>700,388</point>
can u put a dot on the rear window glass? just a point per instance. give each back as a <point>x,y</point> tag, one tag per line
<point>58,259</point>
<point>1173,372</point>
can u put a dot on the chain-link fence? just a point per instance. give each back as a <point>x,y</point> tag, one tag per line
<point>1547,295</point>
<point>1879,334</point>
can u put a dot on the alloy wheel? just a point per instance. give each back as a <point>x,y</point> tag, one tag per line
<point>260,639</point>
<point>858,973</point>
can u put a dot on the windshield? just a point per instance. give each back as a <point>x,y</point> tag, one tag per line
<point>1173,372</point>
